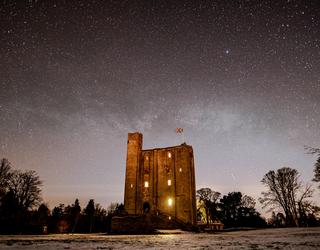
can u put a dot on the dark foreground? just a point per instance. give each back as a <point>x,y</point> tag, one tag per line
<point>283,238</point>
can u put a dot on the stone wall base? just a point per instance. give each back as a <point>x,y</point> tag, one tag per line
<point>147,224</point>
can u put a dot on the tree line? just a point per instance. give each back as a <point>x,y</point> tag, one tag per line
<point>233,209</point>
<point>286,197</point>
<point>72,219</point>
<point>23,211</point>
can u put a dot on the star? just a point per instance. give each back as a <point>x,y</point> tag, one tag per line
<point>243,83</point>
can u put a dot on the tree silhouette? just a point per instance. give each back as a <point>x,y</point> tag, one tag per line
<point>237,210</point>
<point>9,213</point>
<point>58,222</point>
<point>26,188</point>
<point>19,193</point>
<point>208,201</point>
<point>89,212</point>
<point>40,218</point>
<point>43,213</point>
<point>230,205</point>
<point>5,174</point>
<point>100,219</point>
<point>115,209</point>
<point>316,170</point>
<point>248,201</point>
<point>233,209</point>
<point>75,213</point>
<point>284,189</point>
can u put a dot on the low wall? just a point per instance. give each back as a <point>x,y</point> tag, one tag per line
<point>146,224</point>
<point>131,224</point>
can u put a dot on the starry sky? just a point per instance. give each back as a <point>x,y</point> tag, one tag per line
<point>241,77</point>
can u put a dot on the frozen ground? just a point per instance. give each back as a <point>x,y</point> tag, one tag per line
<point>292,238</point>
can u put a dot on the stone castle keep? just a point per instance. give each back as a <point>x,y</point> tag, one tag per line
<point>160,182</point>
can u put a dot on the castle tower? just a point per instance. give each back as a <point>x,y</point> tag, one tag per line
<point>160,182</point>
<point>134,147</point>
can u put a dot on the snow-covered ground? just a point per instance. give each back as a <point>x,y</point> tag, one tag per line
<point>284,238</point>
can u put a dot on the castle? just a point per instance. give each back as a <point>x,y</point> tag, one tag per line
<point>160,182</point>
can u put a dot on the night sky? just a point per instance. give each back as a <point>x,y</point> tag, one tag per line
<point>242,78</point>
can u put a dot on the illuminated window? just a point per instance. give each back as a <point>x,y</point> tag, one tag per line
<point>146,184</point>
<point>147,158</point>
<point>169,182</point>
<point>180,169</point>
<point>170,202</point>
<point>131,185</point>
<point>169,218</point>
<point>169,155</point>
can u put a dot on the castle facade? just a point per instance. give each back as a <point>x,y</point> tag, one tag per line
<point>160,181</point>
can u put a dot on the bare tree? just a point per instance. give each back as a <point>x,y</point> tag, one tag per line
<point>285,191</point>
<point>248,201</point>
<point>315,151</point>
<point>304,205</point>
<point>112,208</point>
<point>25,187</point>
<point>5,173</point>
